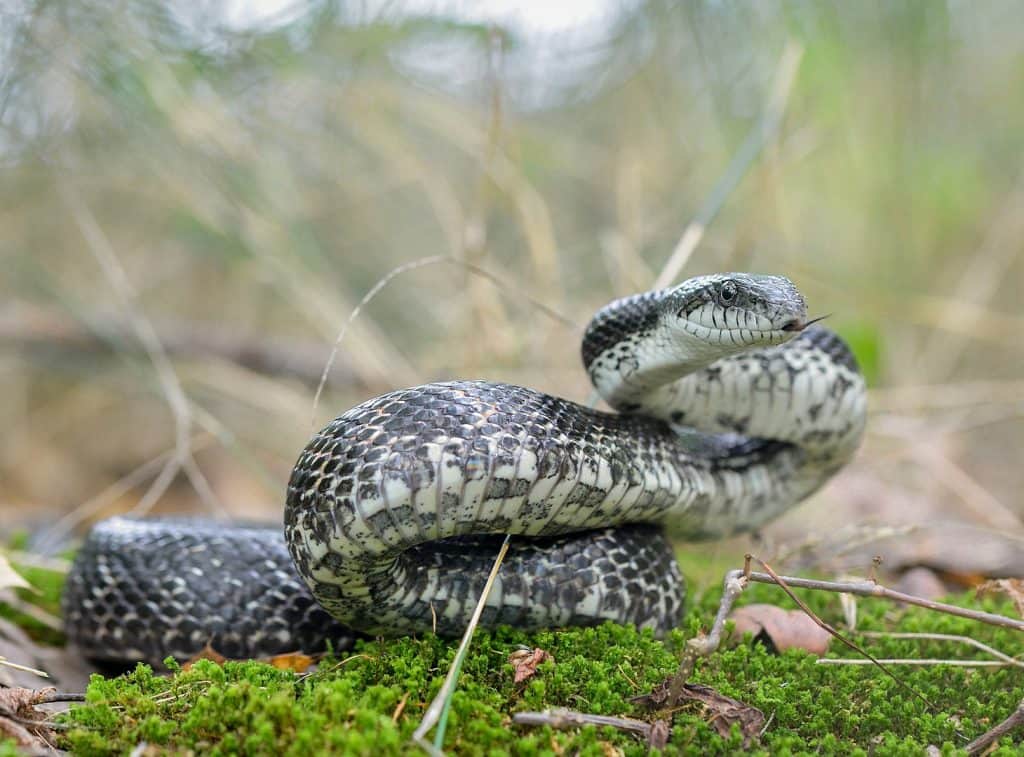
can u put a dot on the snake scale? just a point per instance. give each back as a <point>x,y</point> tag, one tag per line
<point>730,407</point>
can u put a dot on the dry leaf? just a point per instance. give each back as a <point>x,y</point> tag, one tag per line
<point>21,721</point>
<point>721,711</point>
<point>1011,587</point>
<point>525,663</point>
<point>206,653</point>
<point>296,662</point>
<point>783,629</point>
<point>10,578</point>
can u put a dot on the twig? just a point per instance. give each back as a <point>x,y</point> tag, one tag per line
<point>562,719</point>
<point>405,268</point>
<point>736,581</point>
<point>834,633</point>
<point>703,646</point>
<point>915,661</point>
<point>40,329</point>
<point>103,252</point>
<point>983,742</point>
<point>437,712</point>
<point>869,589</point>
<point>759,136</point>
<point>946,637</point>
<point>49,697</point>
<point>7,663</point>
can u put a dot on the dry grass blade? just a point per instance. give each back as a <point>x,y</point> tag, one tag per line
<point>7,663</point>
<point>755,142</point>
<point>835,634</point>
<point>405,268</point>
<point>178,403</point>
<point>437,712</point>
<point>946,637</point>
<point>51,538</point>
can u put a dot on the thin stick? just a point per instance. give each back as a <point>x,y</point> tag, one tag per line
<point>836,635</point>
<point>437,713</point>
<point>946,637</point>
<point>915,661</point>
<point>870,589</point>
<point>40,329</point>
<point>756,140</point>
<point>405,268</point>
<point>562,719</point>
<point>7,663</point>
<point>983,742</point>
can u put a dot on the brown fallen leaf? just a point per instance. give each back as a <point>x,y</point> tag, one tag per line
<point>721,711</point>
<point>21,721</point>
<point>1011,587</point>
<point>296,662</point>
<point>206,653</point>
<point>525,663</point>
<point>782,629</point>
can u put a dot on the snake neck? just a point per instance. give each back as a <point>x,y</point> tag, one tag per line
<point>629,354</point>
<point>806,392</point>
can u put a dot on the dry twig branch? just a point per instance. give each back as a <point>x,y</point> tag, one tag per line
<point>737,580</point>
<point>981,744</point>
<point>871,589</point>
<point>36,329</point>
<point>178,403</point>
<point>563,719</point>
<point>412,266</point>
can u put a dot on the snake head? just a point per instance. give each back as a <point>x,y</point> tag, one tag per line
<point>730,312</point>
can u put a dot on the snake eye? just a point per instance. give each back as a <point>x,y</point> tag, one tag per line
<point>727,293</point>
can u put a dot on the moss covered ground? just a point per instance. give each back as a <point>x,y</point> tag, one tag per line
<point>369,700</point>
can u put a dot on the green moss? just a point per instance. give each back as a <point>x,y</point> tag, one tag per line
<point>370,700</point>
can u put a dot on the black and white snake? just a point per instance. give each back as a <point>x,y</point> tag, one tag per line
<point>731,408</point>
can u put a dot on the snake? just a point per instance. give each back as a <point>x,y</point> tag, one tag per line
<point>727,406</point>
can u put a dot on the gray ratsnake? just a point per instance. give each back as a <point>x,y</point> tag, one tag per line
<point>730,408</point>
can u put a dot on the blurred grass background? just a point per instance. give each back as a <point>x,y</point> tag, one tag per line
<point>192,205</point>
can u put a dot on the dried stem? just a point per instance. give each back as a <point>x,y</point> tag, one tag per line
<point>437,712</point>
<point>870,589</point>
<point>755,142</point>
<point>45,330</point>
<point>983,742</point>
<point>562,719</point>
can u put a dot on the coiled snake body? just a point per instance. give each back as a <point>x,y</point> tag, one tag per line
<point>731,409</point>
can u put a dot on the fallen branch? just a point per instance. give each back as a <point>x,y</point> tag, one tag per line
<point>39,330</point>
<point>563,719</point>
<point>872,589</point>
<point>983,742</point>
<point>737,580</point>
